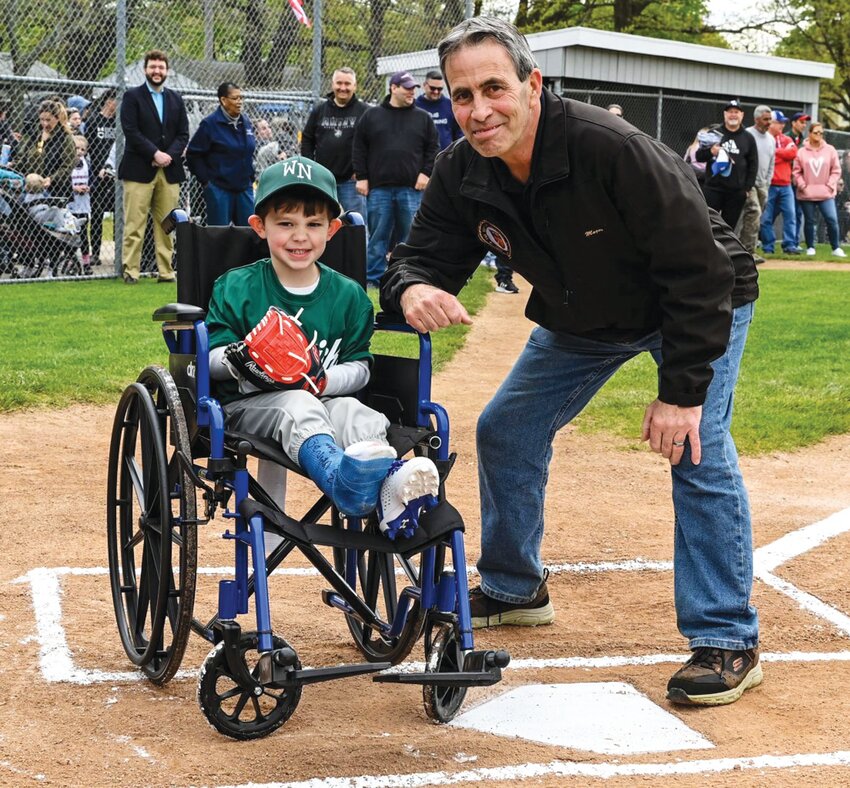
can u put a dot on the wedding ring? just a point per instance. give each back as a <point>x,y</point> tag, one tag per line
<point>678,443</point>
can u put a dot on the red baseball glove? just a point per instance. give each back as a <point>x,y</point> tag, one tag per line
<point>277,356</point>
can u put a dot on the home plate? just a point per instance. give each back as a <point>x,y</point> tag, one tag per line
<point>606,717</point>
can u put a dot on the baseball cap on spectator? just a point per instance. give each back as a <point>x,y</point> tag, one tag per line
<point>778,117</point>
<point>800,116</point>
<point>404,79</point>
<point>722,165</point>
<point>733,104</point>
<point>77,102</point>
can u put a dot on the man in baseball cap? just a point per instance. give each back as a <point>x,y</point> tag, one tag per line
<point>780,196</point>
<point>799,121</point>
<point>404,79</point>
<point>733,104</point>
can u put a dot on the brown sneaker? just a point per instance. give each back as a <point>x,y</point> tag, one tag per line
<point>715,676</point>
<point>489,612</point>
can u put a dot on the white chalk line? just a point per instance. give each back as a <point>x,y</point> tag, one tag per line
<point>57,663</point>
<point>597,771</point>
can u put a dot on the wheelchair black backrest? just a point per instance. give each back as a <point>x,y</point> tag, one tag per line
<point>202,254</point>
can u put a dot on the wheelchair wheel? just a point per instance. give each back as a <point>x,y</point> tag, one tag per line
<point>234,711</point>
<point>445,656</point>
<point>151,525</point>
<point>376,583</point>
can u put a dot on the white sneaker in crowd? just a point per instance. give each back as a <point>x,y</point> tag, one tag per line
<point>838,252</point>
<point>811,251</point>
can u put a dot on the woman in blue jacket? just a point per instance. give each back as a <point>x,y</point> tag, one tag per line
<point>220,155</point>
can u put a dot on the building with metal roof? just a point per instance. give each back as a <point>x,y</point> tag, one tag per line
<point>667,88</point>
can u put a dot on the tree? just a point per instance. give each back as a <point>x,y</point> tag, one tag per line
<point>682,20</point>
<point>821,31</point>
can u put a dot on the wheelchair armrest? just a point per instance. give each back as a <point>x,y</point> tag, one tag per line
<point>172,219</point>
<point>390,321</point>
<point>179,313</point>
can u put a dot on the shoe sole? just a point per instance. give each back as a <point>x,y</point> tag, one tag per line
<point>752,679</point>
<point>517,618</point>
<point>420,481</point>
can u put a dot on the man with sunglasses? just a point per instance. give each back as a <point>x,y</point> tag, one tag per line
<point>434,101</point>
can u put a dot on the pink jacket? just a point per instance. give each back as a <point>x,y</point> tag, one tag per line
<point>816,172</point>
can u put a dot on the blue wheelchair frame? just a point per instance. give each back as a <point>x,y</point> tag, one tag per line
<point>157,408</point>
<point>234,594</point>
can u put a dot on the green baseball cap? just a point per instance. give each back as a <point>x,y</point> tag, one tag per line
<point>297,171</point>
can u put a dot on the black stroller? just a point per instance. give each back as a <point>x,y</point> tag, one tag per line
<point>38,237</point>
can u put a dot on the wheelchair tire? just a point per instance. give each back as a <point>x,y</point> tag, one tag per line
<point>235,712</point>
<point>445,656</point>
<point>149,496</point>
<point>376,583</point>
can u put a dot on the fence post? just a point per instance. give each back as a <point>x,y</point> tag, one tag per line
<point>659,114</point>
<point>469,10</point>
<point>316,87</point>
<point>120,79</point>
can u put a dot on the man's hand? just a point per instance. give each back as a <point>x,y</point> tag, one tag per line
<point>161,159</point>
<point>666,427</point>
<point>427,308</point>
<point>362,187</point>
<point>421,181</point>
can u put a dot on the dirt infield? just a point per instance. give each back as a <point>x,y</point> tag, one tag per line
<point>72,712</point>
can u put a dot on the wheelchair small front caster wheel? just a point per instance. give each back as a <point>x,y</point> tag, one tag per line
<point>443,703</point>
<point>235,711</point>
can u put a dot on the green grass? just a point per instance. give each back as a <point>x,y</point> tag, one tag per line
<point>823,255</point>
<point>794,387</point>
<point>85,341</point>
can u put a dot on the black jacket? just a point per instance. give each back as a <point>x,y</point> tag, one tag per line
<point>392,145</point>
<point>329,134</point>
<point>743,151</point>
<point>145,134</point>
<point>611,230</point>
<point>100,133</point>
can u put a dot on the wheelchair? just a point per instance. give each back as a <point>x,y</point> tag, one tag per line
<point>169,447</point>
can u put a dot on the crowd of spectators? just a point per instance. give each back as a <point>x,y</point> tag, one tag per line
<point>758,174</point>
<point>755,176</point>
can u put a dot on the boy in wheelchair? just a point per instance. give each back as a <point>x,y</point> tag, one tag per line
<point>259,320</point>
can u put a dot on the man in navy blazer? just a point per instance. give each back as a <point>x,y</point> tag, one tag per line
<point>156,132</point>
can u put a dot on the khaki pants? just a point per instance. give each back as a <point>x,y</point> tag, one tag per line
<point>751,217</point>
<point>157,198</point>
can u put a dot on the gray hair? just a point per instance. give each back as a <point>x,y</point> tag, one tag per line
<point>760,110</point>
<point>483,28</point>
<point>345,70</point>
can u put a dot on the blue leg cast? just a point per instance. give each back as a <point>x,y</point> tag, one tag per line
<point>320,457</point>
<point>358,479</point>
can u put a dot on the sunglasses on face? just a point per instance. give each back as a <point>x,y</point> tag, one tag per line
<point>815,132</point>
<point>434,88</point>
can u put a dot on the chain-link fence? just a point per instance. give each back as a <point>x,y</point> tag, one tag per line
<point>280,52</point>
<point>281,63</point>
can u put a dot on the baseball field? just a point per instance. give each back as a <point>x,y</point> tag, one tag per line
<point>582,702</point>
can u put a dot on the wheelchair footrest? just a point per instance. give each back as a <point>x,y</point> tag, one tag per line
<point>483,669</point>
<point>293,678</point>
<point>484,678</point>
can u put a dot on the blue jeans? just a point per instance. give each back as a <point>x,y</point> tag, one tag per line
<point>827,209</point>
<point>224,207</point>
<point>391,210</point>
<point>781,197</point>
<point>350,200</point>
<point>555,376</point>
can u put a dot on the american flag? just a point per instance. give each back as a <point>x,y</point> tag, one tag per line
<point>299,12</point>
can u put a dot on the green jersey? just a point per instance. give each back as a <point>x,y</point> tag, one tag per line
<point>338,313</point>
